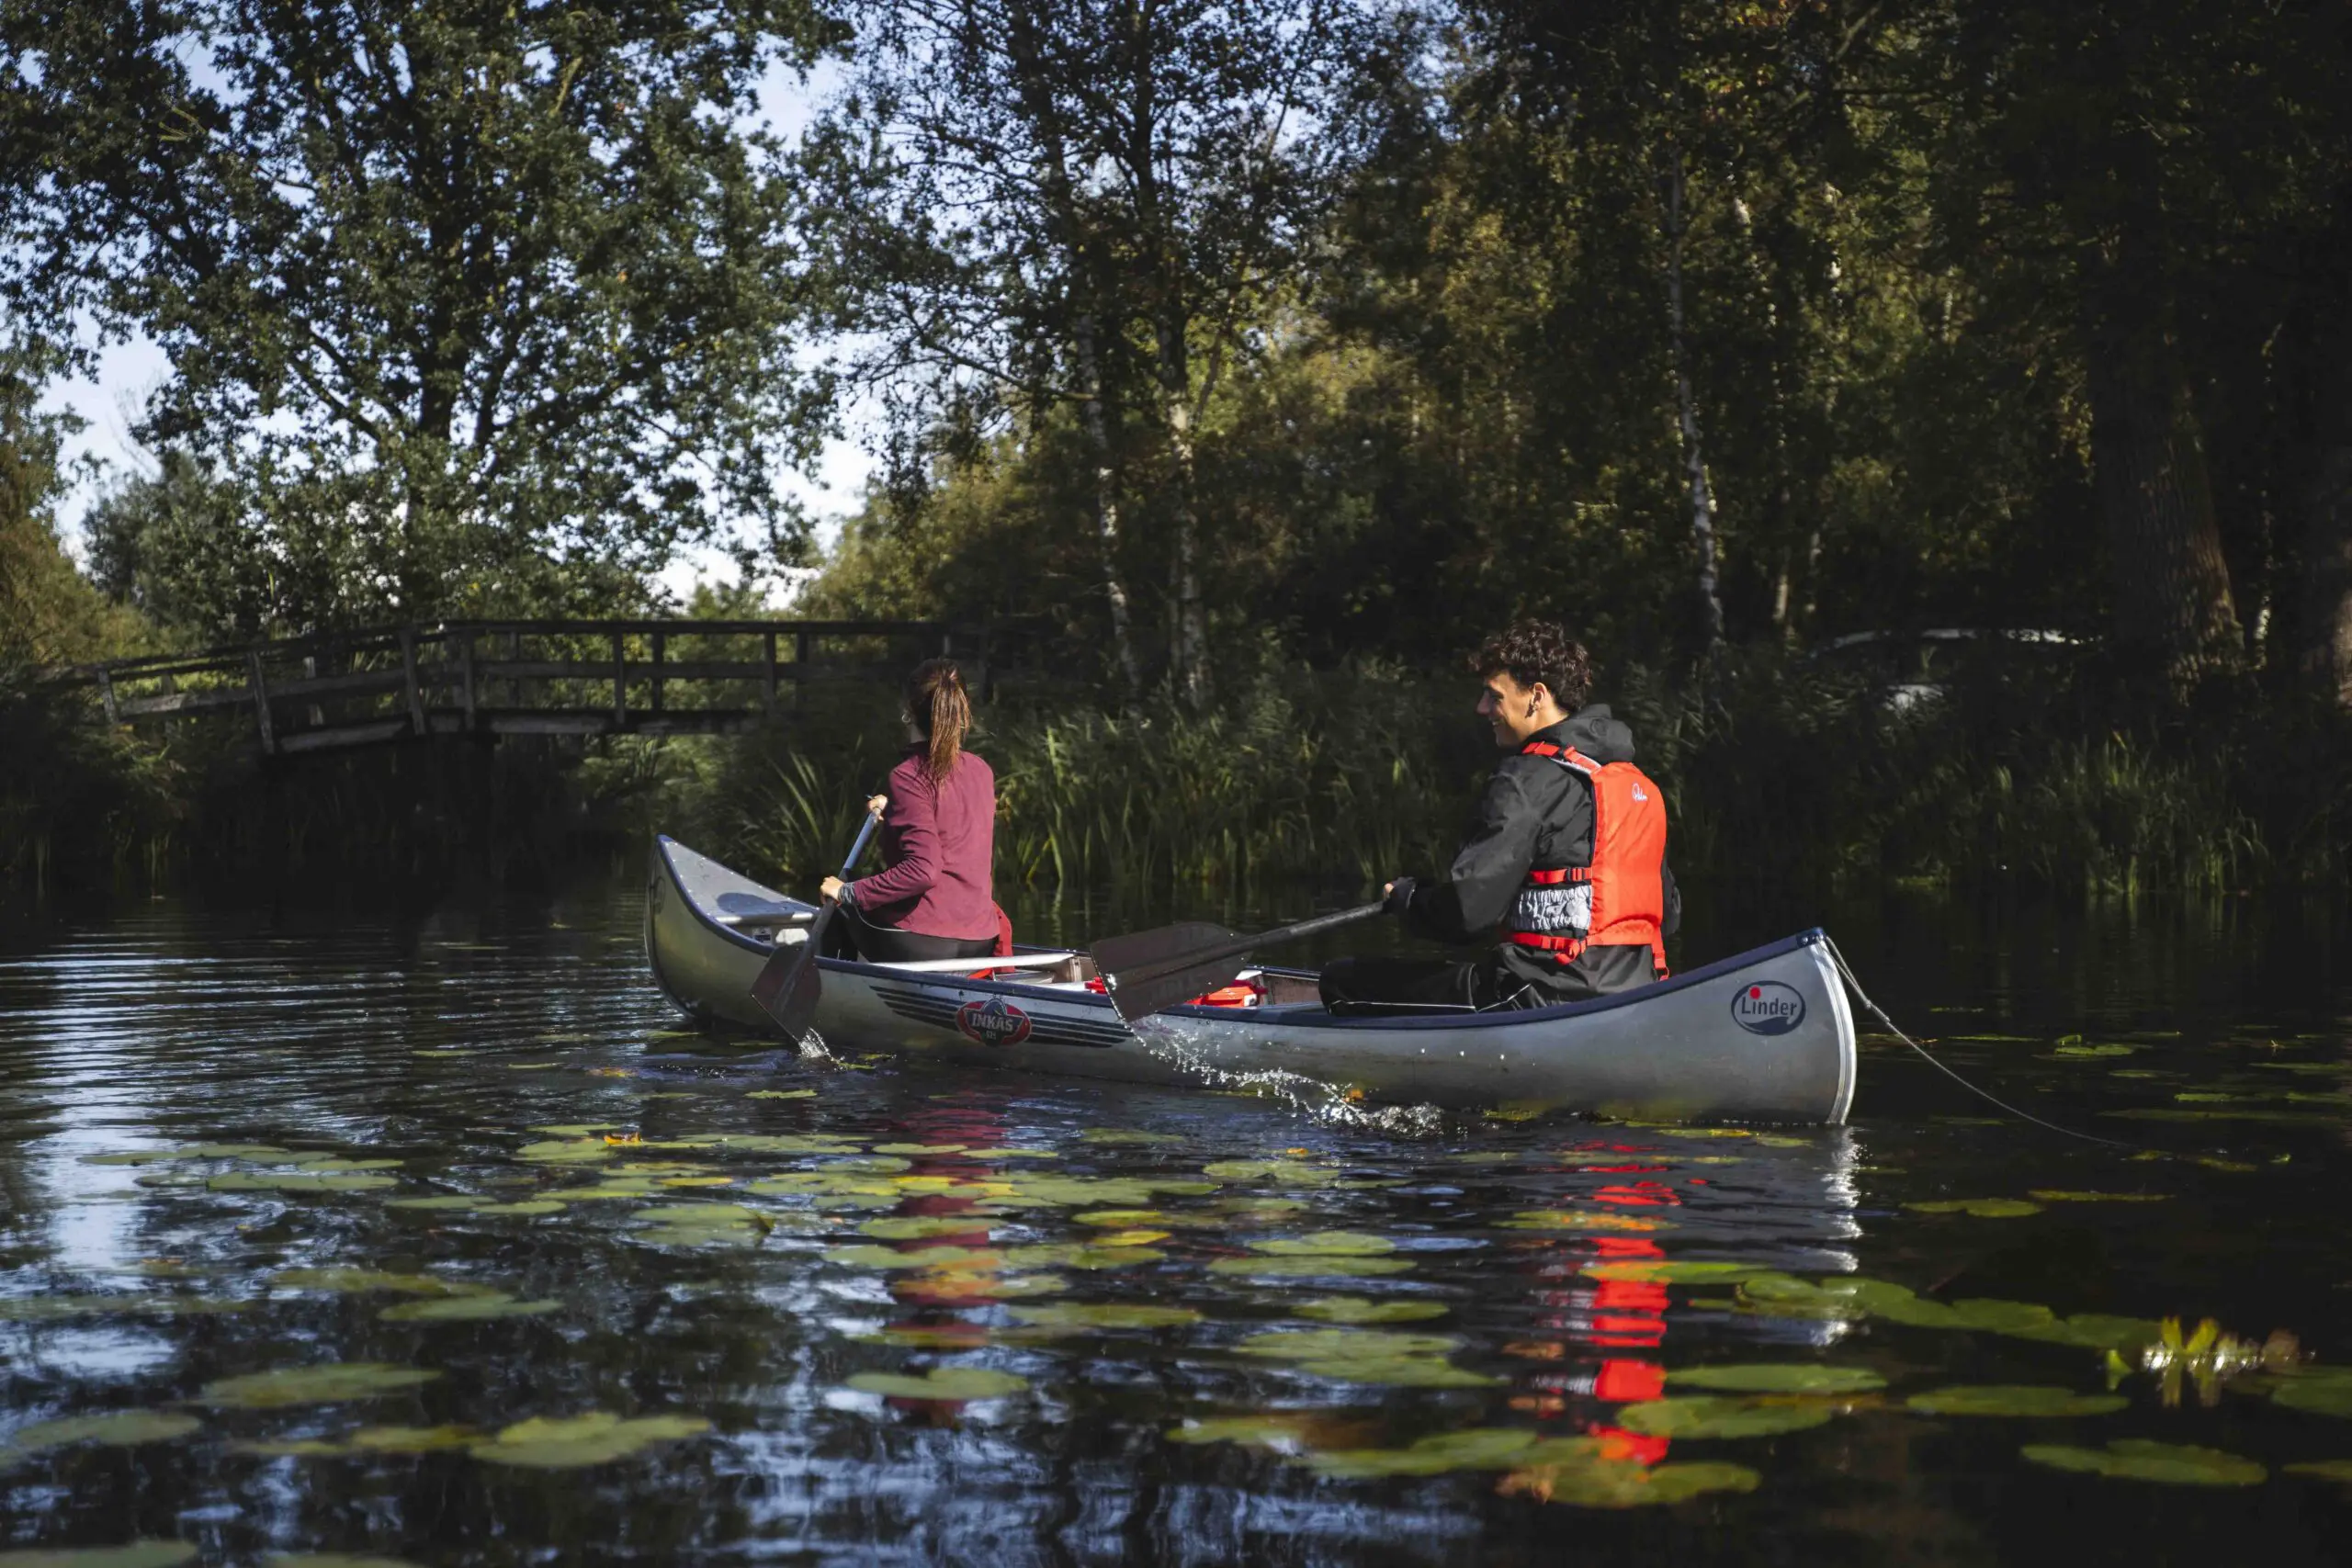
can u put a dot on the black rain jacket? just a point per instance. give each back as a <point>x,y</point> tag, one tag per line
<point>1536,812</point>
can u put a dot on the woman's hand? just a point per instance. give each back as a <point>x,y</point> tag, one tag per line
<point>830,891</point>
<point>875,808</point>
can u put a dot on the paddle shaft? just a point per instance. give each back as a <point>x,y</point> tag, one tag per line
<point>1242,946</point>
<point>788,983</point>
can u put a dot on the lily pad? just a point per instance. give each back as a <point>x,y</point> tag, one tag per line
<point>1778,1377</point>
<point>330,1383</point>
<point>2053,1195</point>
<point>919,1149</point>
<point>781,1094</point>
<point>121,1429</point>
<point>136,1554</point>
<point>1272,1431</point>
<point>1077,1315</point>
<point>1621,1484</point>
<point>465,1309</point>
<point>1980,1208</point>
<point>298,1181</point>
<point>1663,1272</point>
<point>1338,1344</point>
<point>1327,1244</point>
<point>2114,1049</point>
<point>1124,1135</point>
<point>1310,1267</point>
<point>1713,1415</point>
<point>2136,1459</point>
<point>1081,1257</point>
<point>442,1201</point>
<point>1362,1309</point>
<point>2322,1469</point>
<point>1290,1172</point>
<point>573,1442</point>
<point>567,1150</point>
<point>941,1382</point>
<point>1480,1447</point>
<point>916,1227</point>
<point>2034,1400</point>
<point>526,1208</point>
<point>1579,1220</point>
<point>2320,1391</point>
<point>349,1281</point>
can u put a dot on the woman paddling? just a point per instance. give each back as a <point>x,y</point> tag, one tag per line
<point>933,899</point>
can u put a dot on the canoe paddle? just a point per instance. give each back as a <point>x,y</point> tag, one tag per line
<point>1147,971</point>
<point>790,981</point>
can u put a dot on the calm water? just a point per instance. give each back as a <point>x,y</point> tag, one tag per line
<point>435,1241</point>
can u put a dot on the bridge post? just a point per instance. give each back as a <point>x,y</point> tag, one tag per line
<point>660,652</point>
<point>769,639</point>
<point>799,671</point>
<point>408,676</point>
<point>261,701</point>
<point>466,666</point>
<point>114,714</point>
<point>620,686</point>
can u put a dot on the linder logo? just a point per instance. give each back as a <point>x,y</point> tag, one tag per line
<point>993,1023</point>
<point>1766,1006</point>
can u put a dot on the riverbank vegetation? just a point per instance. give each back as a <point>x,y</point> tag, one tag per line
<point>1237,369</point>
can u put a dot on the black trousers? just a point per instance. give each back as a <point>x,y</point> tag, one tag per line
<point>1367,985</point>
<point>851,935</point>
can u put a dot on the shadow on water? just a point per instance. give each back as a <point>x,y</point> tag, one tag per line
<point>595,1288</point>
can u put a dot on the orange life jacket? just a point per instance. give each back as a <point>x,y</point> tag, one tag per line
<point>1618,899</point>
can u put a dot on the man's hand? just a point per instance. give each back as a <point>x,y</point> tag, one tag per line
<point>1397,896</point>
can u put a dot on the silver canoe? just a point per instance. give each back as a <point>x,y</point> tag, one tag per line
<point>1765,1036</point>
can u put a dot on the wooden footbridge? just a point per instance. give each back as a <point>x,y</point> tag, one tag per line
<point>542,677</point>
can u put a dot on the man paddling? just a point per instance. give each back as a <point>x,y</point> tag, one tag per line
<point>1567,858</point>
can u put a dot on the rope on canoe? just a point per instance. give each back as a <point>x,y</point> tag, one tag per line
<point>1846,972</point>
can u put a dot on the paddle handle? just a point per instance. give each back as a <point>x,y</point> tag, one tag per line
<point>1242,946</point>
<point>857,849</point>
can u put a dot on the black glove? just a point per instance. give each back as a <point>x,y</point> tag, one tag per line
<point>1400,897</point>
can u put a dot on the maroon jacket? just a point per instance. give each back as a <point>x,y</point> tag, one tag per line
<point>939,842</point>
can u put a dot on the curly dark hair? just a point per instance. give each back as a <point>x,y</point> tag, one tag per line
<point>1539,652</point>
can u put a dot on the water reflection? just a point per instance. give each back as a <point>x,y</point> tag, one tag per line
<point>933,1317</point>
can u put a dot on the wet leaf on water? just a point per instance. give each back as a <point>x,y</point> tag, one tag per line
<point>1126,1135</point>
<point>48,1309</point>
<point>445,1200</point>
<point>2111,1049</point>
<point>230,1151</point>
<point>1362,1309</point>
<point>1287,1172</point>
<point>604,1192</point>
<point>346,1282</point>
<point>917,1149</point>
<point>298,1181</point>
<point>915,1227</point>
<point>571,1443</point>
<point>134,1157</point>
<point>2053,1195</point>
<point>330,1383</point>
<point>2136,1459</point>
<point>1579,1220</point>
<point>525,1208</point>
<point>1778,1377</point>
<point>1121,1219</point>
<point>465,1309</point>
<point>1263,1267</point>
<point>1340,1344</point>
<point>566,1151</point>
<point>1622,1484</point>
<point>1272,1431</point>
<point>291,1448</point>
<point>2317,1391</point>
<point>331,1167</point>
<point>1011,1154</point>
<point>1710,1416</point>
<point>2322,1469</point>
<point>137,1554</point>
<point>941,1382</point>
<point>1077,1315</point>
<point>1980,1208</point>
<point>1081,1257</point>
<point>2014,1399</point>
<point>915,1257</point>
<point>781,1094</point>
<point>1480,1447</point>
<point>787,1143</point>
<point>1327,1244</point>
<point>1085,1192</point>
<point>1663,1272</point>
<point>121,1429</point>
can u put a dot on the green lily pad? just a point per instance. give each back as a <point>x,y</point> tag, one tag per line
<point>291,1448</point>
<point>2136,1459</point>
<point>1076,1315</point>
<point>2322,1469</point>
<point>1360,1309</point>
<point>526,1208</point>
<point>1338,1344</point>
<point>1327,1244</point>
<point>1713,1415</point>
<point>230,1151</point>
<point>1396,1371</point>
<point>465,1309</point>
<point>1292,1172</point>
<point>2014,1399</point>
<point>121,1429</point>
<point>1778,1377</point>
<point>1581,1220</point>
<point>1123,1136</point>
<point>1081,1257</point>
<point>1663,1272</point>
<point>919,1149</point>
<point>2320,1391</point>
<point>136,1554</point>
<point>1480,1447</point>
<point>1619,1484</point>
<point>1980,1208</point>
<point>1011,1154</point>
<point>1272,1431</point>
<point>781,1094</point>
<point>50,1309</point>
<point>325,1166</point>
<point>604,1192</point>
<point>331,1383</point>
<point>567,1151</point>
<point>916,1227</point>
<point>2053,1195</point>
<point>573,1442</point>
<point>1312,1267</point>
<point>298,1181</point>
<point>345,1282</point>
<point>2106,1050</point>
<point>941,1382</point>
<point>442,1201</point>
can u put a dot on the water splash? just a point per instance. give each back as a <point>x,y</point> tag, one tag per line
<point>1333,1105</point>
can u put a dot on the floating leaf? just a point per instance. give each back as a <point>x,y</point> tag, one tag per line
<point>1359,1309</point>
<point>325,1166</point>
<point>1084,1315</point>
<point>465,1309</point>
<point>118,1429</point>
<point>328,1384</point>
<point>1327,1244</point>
<point>345,1282</point>
<point>1982,1208</point>
<point>941,1382</point>
<point>2136,1459</point>
<point>1708,1415</point>
<point>1011,1154</point>
<point>919,1149</point>
<point>2051,1195</point>
<point>781,1094</point>
<point>298,1181</point>
<point>1780,1377</point>
<point>527,1208</point>
<point>1364,1355</point>
<point>571,1443</point>
<point>604,1192</point>
<point>137,1554</point>
<point>2322,1469</point>
<point>1265,1431</point>
<point>134,1157</point>
<point>446,1200</point>
<point>1123,1136</point>
<point>2115,1049</point>
<point>2014,1399</point>
<point>45,1309</point>
<point>1621,1484</point>
<point>1081,1257</point>
<point>1480,1447</point>
<point>1261,1266</point>
<point>916,1227</point>
<point>1662,1272</point>
<point>230,1151</point>
<point>1288,1171</point>
<point>1579,1220</point>
<point>567,1150</point>
<point>2319,1392</point>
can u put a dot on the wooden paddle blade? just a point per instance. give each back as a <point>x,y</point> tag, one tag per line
<point>1138,993</point>
<point>1157,948</point>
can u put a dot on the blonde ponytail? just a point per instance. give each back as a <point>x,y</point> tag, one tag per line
<point>942,709</point>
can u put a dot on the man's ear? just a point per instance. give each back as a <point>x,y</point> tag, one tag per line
<point>1539,693</point>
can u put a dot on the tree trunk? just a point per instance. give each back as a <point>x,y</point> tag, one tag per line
<point>2171,584</point>
<point>1106,506</point>
<point>1190,647</point>
<point>2326,496</point>
<point>1703,532</point>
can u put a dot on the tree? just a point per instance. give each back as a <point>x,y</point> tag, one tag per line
<point>49,615</point>
<point>474,300</point>
<point>1086,206</point>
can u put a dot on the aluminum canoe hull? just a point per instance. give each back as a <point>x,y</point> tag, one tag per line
<point>1763,1036</point>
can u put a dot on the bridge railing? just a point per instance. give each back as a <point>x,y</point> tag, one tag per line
<point>521,677</point>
